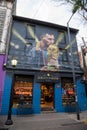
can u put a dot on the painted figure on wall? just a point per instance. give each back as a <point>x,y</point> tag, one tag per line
<point>51,52</point>
<point>45,53</point>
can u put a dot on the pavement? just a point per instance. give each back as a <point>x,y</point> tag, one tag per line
<point>43,121</point>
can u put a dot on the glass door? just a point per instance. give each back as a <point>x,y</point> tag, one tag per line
<point>47,96</point>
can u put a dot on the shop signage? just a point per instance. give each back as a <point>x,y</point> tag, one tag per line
<point>47,77</point>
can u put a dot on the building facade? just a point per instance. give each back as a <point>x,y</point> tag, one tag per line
<point>42,78</point>
<point>6,10</point>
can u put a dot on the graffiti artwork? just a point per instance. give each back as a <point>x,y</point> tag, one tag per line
<point>38,47</point>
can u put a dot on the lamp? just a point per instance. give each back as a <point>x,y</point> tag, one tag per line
<point>73,69</point>
<point>48,74</point>
<point>9,120</point>
<point>4,66</point>
<point>14,62</point>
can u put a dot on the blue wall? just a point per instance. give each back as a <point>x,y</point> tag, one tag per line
<point>36,98</point>
<point>82,99</point>
<point>58,98</point>
<point>6,94</point>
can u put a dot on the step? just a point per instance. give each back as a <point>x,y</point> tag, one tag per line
<point>45,112</point>
<point>47,109</point>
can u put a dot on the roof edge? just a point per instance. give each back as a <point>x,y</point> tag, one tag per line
<point>35,21</point>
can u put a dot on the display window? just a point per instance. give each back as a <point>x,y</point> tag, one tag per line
<point>68,91</point>
<point>23,89</point>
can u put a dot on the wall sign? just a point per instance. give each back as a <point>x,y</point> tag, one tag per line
<point>47,77</point>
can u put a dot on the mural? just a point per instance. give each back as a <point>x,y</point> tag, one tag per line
<point>39,47</point>
<point>45,53</point>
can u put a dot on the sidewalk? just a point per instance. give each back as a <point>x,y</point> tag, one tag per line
<point>42,121</point>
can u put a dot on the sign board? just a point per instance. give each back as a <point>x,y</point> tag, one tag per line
<point>47,77</point>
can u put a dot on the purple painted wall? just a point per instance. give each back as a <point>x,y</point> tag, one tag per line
<point>2,75</point>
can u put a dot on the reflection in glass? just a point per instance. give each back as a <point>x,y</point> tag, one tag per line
<point>22,92</point>
<point>68,92</point>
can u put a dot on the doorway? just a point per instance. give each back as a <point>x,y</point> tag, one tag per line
<point>47,96</point>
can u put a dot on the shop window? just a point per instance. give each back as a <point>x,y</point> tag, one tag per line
<point>68,91</point>
<point>23,91</point>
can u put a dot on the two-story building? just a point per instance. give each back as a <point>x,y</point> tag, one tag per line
<point>43,78</point>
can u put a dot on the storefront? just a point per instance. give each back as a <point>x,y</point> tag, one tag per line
<point>24,93</point>
<point>43,91</point>
<point>34,93</point>
<point>42,80</point>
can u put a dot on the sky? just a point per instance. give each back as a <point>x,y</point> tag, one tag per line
<point>49,11</point>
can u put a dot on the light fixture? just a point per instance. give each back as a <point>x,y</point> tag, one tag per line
<point>48,75</point>
<point>14,62</point>
<point>4,66</point>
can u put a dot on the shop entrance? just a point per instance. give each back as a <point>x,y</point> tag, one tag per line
<point>47,96</point>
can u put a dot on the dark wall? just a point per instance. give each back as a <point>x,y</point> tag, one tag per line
<point>25,47</point>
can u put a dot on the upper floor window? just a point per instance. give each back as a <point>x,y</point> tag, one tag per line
<point>30,31</point>
<point>62,39</point>
<point>63,56</point>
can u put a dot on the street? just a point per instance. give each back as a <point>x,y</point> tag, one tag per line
<point>51,126</point>
<point>50,121</point>
<point>74,126</point>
